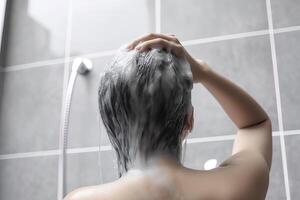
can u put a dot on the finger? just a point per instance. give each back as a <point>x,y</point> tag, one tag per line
<point>154,43</point>
<point>171,34</point>
<point>148,37</point>
<point>160,43</point>
<point>151,36</point>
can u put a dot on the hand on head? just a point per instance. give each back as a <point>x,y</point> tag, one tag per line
<point>158,40</point>
<point>170,43</point>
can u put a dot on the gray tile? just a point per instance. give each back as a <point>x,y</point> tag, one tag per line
<point>101,25</point>
<point>276,189</point>
<point>82,170</point>
<point>197,19</point>
<point>84,129</point>
<point>30,109</point>
<point>209,117</point>
<point>36,31</point>
<point>285,13</point>
<point>292,150</point>
<point>29,178</point>
<point>109,167</point>
<point>198,153</point>
<point>245,61</point>
<point>288,59</point>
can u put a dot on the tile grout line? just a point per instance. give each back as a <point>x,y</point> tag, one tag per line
<point>157,16</point>
<point>109,147</point>
<point>60,175</point>
<point>291,132</point>
<point>286,29</point>
<point>278,99</point>
<point>30,154</point>
<point>185,43</point>
<point>224,37</point>
<point>37,64</point>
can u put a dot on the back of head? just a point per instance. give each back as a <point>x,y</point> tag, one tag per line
<point>143,100</point>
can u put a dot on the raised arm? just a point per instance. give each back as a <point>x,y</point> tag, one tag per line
<point>254,126</point>
<point>247,170</point>
<point>242,109</point>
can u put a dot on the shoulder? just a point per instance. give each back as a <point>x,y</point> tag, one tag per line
<point>245,182</point>
<point>247,175</point>
<point>99,192</point>
<point>133,188</point>
<point>124,188</point>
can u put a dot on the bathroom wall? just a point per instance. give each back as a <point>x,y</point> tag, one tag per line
<point>255,43</point>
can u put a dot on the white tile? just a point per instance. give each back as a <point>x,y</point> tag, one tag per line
<point>106,25</point>
<point>36,31</point>
<point>192,19</point>
<point>30,109</point>
<point>29,178</point>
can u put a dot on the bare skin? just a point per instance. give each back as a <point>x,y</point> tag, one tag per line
<point>243,176</point>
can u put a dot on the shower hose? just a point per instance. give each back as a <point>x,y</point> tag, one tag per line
<point>82,66</point>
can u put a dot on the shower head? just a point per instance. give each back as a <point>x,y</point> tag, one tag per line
<point>82,65</point>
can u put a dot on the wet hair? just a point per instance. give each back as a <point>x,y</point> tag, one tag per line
<point>143,102</point>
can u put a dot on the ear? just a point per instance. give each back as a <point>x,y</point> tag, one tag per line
<point>188,127</point>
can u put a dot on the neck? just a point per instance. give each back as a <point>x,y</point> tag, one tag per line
<point>153,163</point>
<point>157,175</point>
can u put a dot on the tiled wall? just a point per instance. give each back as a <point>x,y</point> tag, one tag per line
<point>255,43</point>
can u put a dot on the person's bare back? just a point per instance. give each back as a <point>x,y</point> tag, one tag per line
<point>222,183</point>
<point>243,176</point>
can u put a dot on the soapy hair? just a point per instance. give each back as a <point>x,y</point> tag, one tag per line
<point>143,102</point>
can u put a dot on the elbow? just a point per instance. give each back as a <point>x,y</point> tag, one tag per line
<point>263,120</point>
<point>266,119</point>
<point>267,122</point>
